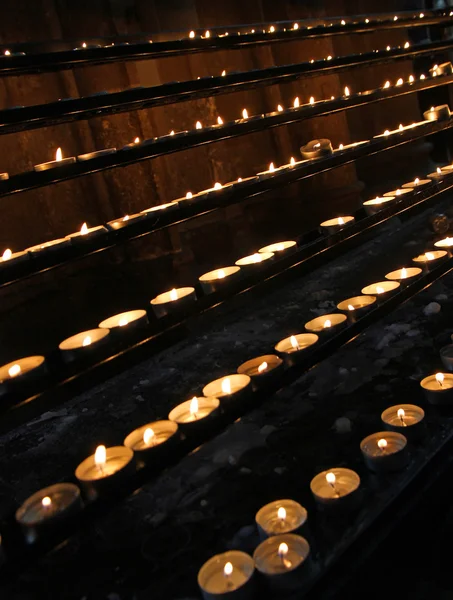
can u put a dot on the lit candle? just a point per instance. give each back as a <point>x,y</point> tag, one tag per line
<point>327,324</point>
<point>97,154</point>
<point>230,387</point>
<point>280,516</point>
<point>58,162</point>
<point>316,149</point>
<point>398,194</point>
<point>86,234</point>
<point>374,206</point>
<point>269,173</point>
<point>126,321</point>
<point>47,509</point>
<point>173,301</point>
<point>228,575</point>
<point>336,489</point>
<point>261,368</point>
<point>404,274</point>
<point>417,183</point>
<point>357,306</point>
<point>446,243</point>
<point>292,348</point>
<point>153,440</point>
<point>381,290</point>
<point>19,374</point>
<point>11,259</point>
<point>195,415</point>
<point>405,418</point>
<point>83,345</point>
<point>254,260</point>
<point>282,560</point>
<point>385,451</point>
<point>280,248</point>
<point>216,280</point>
<point>430,259</point>
<point>334,225</point>
<point>438,388</point>
<point>437,113</point>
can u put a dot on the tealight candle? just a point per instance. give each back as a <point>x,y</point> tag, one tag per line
<point>446,356</point>
<point>195,414</point>
<point>48,247</point>
<point>228,575</point>
<point>405,418</point>
<point>10,259</point>
<point>430,259</point>
<point>445,243</point>
<point>58,162</point>
<point>437,113</point>
<point>126,321</point>
<point>47,509</point>
<point>269,173</point>
<point>438,175</point>
<point>84,344</point>
<point>254,260</point>
<point>374,206</point>
<point>19,373</point>
<point>97,154</point>
<point>397,194</point>
<point>316,149</point>
<point>279,248</point>
<point>336,489</point>
<point>105,469</point>
<point>402,275</point>
<point>438,388</point>
<point>292,348</point>
<point>261,368</point>
<point>381,290</point>
<point>171,302</point>
<point>152,441</point>
<point>442,69</point>
<point>282,560</point>
<point>334,225</point>
<point>230,388</point>
<point>356,306</point>
<point>86,233</point>
<point>327,324</point>
<point>280,516</point>
<point>385,451</point>
<point>215,280</point>
<point>417,183</point>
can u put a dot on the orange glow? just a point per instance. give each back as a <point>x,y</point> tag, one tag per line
<point>382,444</point>
<point>7,254</point>
<point>100,456</point>
<point>58,155</point>
<point>86,341</point>
<point>173,294</point>
<point>148,436</point>
<point>14,370</point>
<point>226,385</point>
<point>262,367</point>
<point>327,324</point>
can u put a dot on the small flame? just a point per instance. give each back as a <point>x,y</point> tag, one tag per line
<point>398,193</point>
<point>7,254</point>
<point>296,26</point>
<point>340,221</point>
<point>84,229</point>
<point>220,274</point>
<point>192,34</point>
<point>346,91</point>
<point>271,29</point>
<point>429,256</point>
<point>388,48</point>
<point>172,132</point>
<point>123,322</point>
<point>422,76</point>
<point>100,456</point>
<point>330,478</point>
<point>406,45</point>
<point>421,15</point>
<point>217,186</point>
<point>14,370</point>
<point>416,181</point>
<point>283,550</point>
<point>411,78</point>
<point>173,295</point>
<point>404,273</point>
<point>312,100</point>
<point>329,57</point>
<point>294,342</point>
<point>343,22</point>
<point>189,195</point>
<point>382,443</point>
<point>379,289</point>
<point>219,121</point>
<point>318,145</point>
<point>280,108</point>
<point>148,436</point>
<point>193,408</point>
<point>296,102</point>
<point>281,513</point>
<point>223,73</point>
<point>207,34</point>
<point>7,53</point>
<point>245,114</point>
<point>438,171</point>
<point>86,341</point>
<point>292,161</point>
<point>440,378</point>
<point>257,258</point>
<point>400,81</point>
<point>387,132</point>
<point>46,501</point>
<point>432,109</point>
<point>58,155</point>
<point>401,414</point>
<point>350,307</point>
<point>227,569</point>
<point>84,45</point>
<point>340,147</point>
<point>327,324</point>
<point>226,385</point>
<point>271,168</point>
<point>395,18</point>
<point>386,84</point>
<point>400,127</point>
<point>198,125</point>
<point>262,367</point>
<point>137,140</point>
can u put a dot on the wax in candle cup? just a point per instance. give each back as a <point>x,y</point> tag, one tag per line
<point>262,369</point>
<point>87,234</point>
<point>335,225</point>
<point>374,206</point>
<point>283,561</point>
<point>195,415</point>
<point>281,516</point>
<point>416,184</point>
<point>280,248</point>
<point>385,451</point>
<point>153,441</point>
<point>57,163</point>
<point>407,419</point>
<point>84,345</point>
<point>96,154</point>
<point>357,306</point>
<point>404,275</point>
<point>49,247</point>
<point>215,280</point>
<point>19,374</point>
<point>228,576</point>
<point>316,149</point>
<point>231,388</point>
<point>254,261</point>
<point>382,290</point>
<point>174,301</point>
<point>437,113</point>
<point>398,193</point>
<point>326,324</point>
<point>438,175</point>
<point>430,259</point>
<point>337,489</point>
<point>446,356</point>
<point>294,348</point>
<point>47,509</point>
<point>125,322</point>
<point>438,388</point>
<point>105,470</point>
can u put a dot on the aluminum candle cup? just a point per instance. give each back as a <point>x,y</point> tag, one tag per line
<point>438,388</point>
<point>173,301</point>
<point>404,275</point>
<point>374,206</point>
<point>97,154</point>
<point>327,324</point>
<point>152,441</point>
<point>407,419</point>
<point>216,280</point>
<point>280,248</point>
<point>283,561</point>
<point>316,149</point>
<point>228,576</point>
<point>195,415</point>
<point>106,469</point>
<point>54,164</point>
<point>357,306</point>
<point>446,356</point>
<point>231,388</point>
<point>385,451</point>
<point>334,225</point>
<point>429,260</point>
<point>398,194</point>
<point>47,509</point>
<point>382,290</point>
<point>20,373</point>
<point>293,348</point>
<point>262,368</point>
<point>254,261</point>
<point>437,113</point>
<point>416,184</point>
<point>337,489</point>
<point>125,322</point>
<point>84,344</point>
<point>280,516</point>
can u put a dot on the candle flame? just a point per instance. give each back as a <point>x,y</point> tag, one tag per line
<point>292,161</point>
<point>173,294</point>
<point>207,34</point>
<point>84,45</point>
<point>272,29</point>
<point>226,385</point>
<point>350,307</point>
<point>404,273</point>
<point>340,221</point>
<point>429,256</point>
<point>123,322</point>
<point>440,378</point>
<point>193,408</point>
<point>330,478</point>
<point>262,367</point>
<point>257,258</point>
<point>220,274</point>
<point>398,193</point>
<point>219,121</point>
<point>14,370</point>
<point>328,58</point>
<point>223,73</point>
<point>327,324</point>
<point>401,414</point>
<point>281,513</point>
<point>416,181</point>
<point>192,34</point>
<point>296,102</point>
<point>280,108</point>
<point>7,53</point>
<point>400,81</point>
<point>227,569</point>
<point>7,254</point>
<point>172,132</point>
<point>340,147</point>
<point>148,436</point>
<point>346,91</point>
<point>296,26</point>
<point>312,100</point>
<point>245,114</point>
<point>217,186</point>
<point>271,168</point>
<point>318,145</point>
<point>388,48</point>
<point>100,456</point>
<point>137,140</point>
<point>421,15</point>
<point>411,77</point>
<point>84,229</point>
<point>400,127</point>
<point>379,289</point>
<point>189,195</point>
<point>343,22</point>
<point>86,341</point>
<point>382,443</point>
<point>283,549</point>
<point>46,501</point>
<point>294,342</point>
<point>59,155</point>
<point>198,125</point>
<point>386,84</point>
<point>422,76</point>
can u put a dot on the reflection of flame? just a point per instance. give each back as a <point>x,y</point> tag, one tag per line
<point>382,443</point>
<point>59,155</point>
<point>257,258</point>
<point>318,145</point>
<point>14,370</point>
<point>327,323</point>
<point>193,408</point>
<point>173,294</point>
<point>220,274</point>
<point>403,273</point>
<point>440,378</point>
<point>227,569</point>
<point>123,321</point>
<point>281,513</point>
<point>84,229</point>
<point>330,478</point>
<point>148,436</point>
<point>86,341</point>
<point>294,342</point>
<point>379,289</point>
<point>226,385</point>
<point>262,367</point>
<point>46,501</point>
<point>7,254</point>
<point>100,456</point>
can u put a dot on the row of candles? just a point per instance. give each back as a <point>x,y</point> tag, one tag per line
<point>20,373</point>
<point>435,113</point>
<point>282,556</point>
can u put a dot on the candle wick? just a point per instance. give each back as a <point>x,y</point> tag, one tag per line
<point>286,563</point>
<point>228,582</point>
<point>403,423</point>
<point>334,487</point>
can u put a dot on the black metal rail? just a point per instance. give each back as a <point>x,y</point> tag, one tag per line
<point>76,109</point>
<point>148,46</point>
